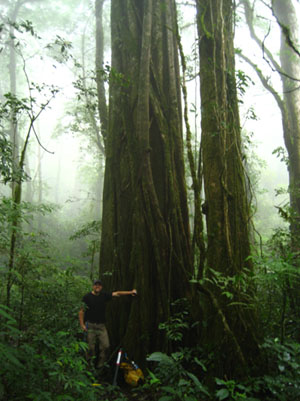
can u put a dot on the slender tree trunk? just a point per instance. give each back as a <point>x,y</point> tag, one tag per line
<point>102,106</point>
<point>58,181</point>
<point>40,187</point>
<point>92,118</point>
<point>15,224</point>
<point>198,243</point>
<point>14,136</point>
<point>145,233</point>
<point>99,191</point>
<point>230,327</point>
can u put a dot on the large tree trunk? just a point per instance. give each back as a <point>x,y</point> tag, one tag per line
<point>230,328</point>
<point>145,233</point>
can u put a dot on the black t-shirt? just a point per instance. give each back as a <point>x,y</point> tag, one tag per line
<point>95,306</point>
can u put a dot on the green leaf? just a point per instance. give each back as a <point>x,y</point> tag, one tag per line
<point>160,357</point>
<point>197,383</point>
<point>154,379</point>
<point>8,353</point>
<point>5,314</point>
<point>198,362</point>
<point>222,394</point>
<point>169,389</point>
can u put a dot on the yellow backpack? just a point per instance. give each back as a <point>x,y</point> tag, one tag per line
<point>133,375</point>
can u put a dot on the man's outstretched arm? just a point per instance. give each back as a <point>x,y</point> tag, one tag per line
<point>120,293</point>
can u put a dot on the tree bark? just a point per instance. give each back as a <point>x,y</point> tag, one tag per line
<point>145,232</point>
<point>14,134</point>
<point>102,106</point>
<point>230,328</point>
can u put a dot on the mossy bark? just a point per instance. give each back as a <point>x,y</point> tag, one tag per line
<point>229,321</point>
<point>145,233</point>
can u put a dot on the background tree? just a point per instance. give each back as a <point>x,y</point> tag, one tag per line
<point>145,232</point>
<point>229,328</point>
<point>100,73</point>
<point>287,98</point>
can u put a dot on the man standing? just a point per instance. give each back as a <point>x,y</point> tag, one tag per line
<point>92,319</point>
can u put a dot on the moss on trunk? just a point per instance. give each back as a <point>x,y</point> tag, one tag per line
<point>230,327</point>
<point>145,235</point>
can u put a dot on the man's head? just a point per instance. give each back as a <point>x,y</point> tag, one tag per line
<point>97,286</point>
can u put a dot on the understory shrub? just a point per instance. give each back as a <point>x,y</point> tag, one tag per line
<point>282,382</point>
<point>171,380</point>
<point>52,367</point>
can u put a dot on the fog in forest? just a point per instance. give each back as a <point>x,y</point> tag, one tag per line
<point>69,158</point>
<point>57,64</point>
<point>66,170</point>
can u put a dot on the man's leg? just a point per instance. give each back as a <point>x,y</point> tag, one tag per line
<point>103,345</point>
<point>91,340</point>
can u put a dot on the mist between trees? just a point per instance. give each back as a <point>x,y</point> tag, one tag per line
<point>153,144</point>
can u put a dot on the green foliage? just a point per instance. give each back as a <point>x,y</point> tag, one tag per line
<point>233,391</point>
<point>117,78</point>
<point>243,82</point>
<point>24,213</point>
<point>59,49</point>
<point>172,378</point>
<point>172,381</point>
<point>10,108</point>
<point>177,323</point>
<point>6,159</point>
<point>46,354</point>
<point>14,106</point>
<point>41,356</point>
<point>90,228</point>
<point>90,232</point>
<point>232,287</point>
<point>8,353</point>
<point>24,26</point>
<point>51,367</point>
<point>281,154</point>
<point>26,109</point>
<point>276,275</point>
<point>281,383</point>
